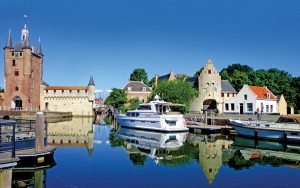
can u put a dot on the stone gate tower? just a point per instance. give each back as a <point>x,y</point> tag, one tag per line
<point>23,71</point>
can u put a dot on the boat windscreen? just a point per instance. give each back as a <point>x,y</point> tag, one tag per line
<point>144,107</point>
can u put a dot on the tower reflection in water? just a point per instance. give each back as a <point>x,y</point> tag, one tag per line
<point>78,132</point>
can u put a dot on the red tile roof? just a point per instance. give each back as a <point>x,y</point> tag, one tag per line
<point>261,92</point>
<point>66,88</point>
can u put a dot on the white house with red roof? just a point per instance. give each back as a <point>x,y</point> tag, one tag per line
<point>251,99</point>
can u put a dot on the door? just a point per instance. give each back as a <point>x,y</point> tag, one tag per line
<point>241,108</point>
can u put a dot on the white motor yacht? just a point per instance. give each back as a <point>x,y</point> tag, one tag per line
<point>155,115</point>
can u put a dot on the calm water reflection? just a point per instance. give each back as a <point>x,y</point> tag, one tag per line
<point>90,155</point>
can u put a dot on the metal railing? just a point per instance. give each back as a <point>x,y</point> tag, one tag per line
<point>18,134</point>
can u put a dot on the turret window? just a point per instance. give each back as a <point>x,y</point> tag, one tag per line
<point>16,72</point>
<point>13,62</point>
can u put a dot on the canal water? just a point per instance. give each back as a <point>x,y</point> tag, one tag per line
<point>101,155</point>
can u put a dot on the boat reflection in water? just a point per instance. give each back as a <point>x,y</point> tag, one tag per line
<point>161,147</point>
<point>246,152</point>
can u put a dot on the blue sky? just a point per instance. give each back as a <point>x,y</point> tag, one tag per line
<point>110,38</point>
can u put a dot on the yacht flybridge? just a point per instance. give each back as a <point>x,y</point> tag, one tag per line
<point>156,116</point>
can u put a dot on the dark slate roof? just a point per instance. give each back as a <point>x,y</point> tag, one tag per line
<point>194,80</point>
<point>137,86</point>
<point>19,46</point>
<point>91,82</point>
<point>44,83</point>
<point>164,77</point>
<point>227,87</point>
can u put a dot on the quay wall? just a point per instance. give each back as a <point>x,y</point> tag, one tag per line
<point>31,114</point>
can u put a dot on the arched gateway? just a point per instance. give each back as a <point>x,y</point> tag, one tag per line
<point>16,103</point>
<point>209,104</point>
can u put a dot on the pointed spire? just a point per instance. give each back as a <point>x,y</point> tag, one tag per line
<point>91,82</point>
<point>9,41</point>
<point>39,48</point>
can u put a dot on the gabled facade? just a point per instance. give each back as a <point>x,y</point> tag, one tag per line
<point>252,99</point>
<point>213,91</point>
<point>137,89</point>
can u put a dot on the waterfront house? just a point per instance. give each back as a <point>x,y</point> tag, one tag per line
<point>137,89</point>
<point>251,99</point>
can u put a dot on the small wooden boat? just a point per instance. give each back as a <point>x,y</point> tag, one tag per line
<point>287,128</point>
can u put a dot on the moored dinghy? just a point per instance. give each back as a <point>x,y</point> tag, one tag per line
<point>287,128</point>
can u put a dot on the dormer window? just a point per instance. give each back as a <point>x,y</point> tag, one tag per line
<point>144,89</point>
<point>129,88</point>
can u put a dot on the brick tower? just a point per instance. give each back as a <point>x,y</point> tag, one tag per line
<point>23,71</point>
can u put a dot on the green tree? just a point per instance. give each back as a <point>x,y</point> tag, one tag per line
<point>139,74</point>
<point>116,98</point>
<point>134,103</point>
<point>1,90</point>
<point>198,72</point>
<point>176,91</point>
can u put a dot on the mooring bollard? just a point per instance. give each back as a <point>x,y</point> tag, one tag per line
<point>205,117</point>
<point>39,131</point>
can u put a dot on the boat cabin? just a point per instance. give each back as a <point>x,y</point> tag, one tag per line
<point>292,119</point>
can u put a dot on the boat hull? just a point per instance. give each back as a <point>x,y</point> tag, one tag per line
<point>266,133</point>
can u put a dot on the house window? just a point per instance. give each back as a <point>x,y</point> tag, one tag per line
<point>85,91</point>
<point>78,91</point>
<point>209,71</point>
<point>268,95</point>
<point>70,91</point>
<point>16,72</point>
<point>129,88</point>
<point>14,62</point>
<point>54,91</point>
<point>46,91</point>
<point>222,94</point>
<point>12,53</point>
<point>245,97</point>
<point>62,91</point>
<point>17,88</point>
<point>227,107</point>
<point>144,88</point>
<point>20,53</point>
<point>232,106</point>
<point>271,108</point>
<point>250,107</point>
<point>267,108</point>
<point>228,94</point>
